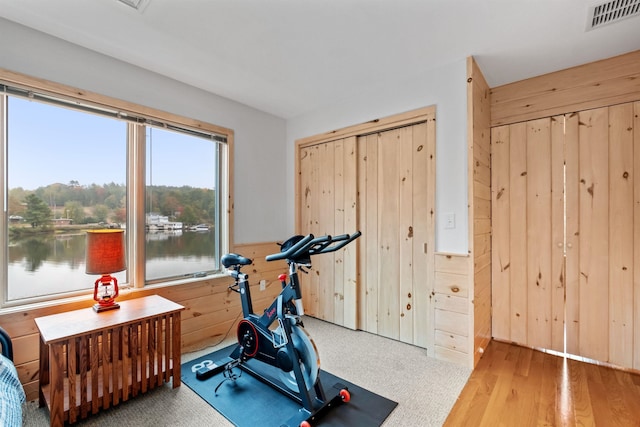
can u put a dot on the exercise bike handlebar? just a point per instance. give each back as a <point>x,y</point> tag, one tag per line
<point>341,241</point>
<point>314,245</point>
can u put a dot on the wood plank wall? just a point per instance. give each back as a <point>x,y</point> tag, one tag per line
<point>453,309</point>
<point>597,84</point>
<point>211,311</point>
<point>479,176</point>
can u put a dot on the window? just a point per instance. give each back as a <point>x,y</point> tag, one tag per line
<point>182,208</point>
<point>66,172</point>
<point>69,165</point>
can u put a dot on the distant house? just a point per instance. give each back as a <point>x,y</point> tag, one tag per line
<point>60,222</point>
<point>156,222</point>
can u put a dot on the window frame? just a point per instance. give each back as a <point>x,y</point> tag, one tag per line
<point>135,172</point>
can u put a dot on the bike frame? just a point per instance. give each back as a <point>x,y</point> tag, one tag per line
<point>286,309</point>
<point>276,347</point>
<point>290,296</point>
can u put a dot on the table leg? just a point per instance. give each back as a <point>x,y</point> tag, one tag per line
<point>56,411</point>
<point>43,372</point>
<point>175,345</point>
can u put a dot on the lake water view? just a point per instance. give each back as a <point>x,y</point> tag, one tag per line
<point>47,265</point>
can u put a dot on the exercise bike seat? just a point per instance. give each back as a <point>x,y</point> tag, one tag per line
<point>229,260</point>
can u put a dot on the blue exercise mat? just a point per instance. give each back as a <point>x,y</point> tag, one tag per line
<point>247,402</point>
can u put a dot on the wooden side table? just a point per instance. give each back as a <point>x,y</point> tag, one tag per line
<point>90,361</point>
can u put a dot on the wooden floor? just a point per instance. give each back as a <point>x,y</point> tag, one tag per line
<point>516,386</point>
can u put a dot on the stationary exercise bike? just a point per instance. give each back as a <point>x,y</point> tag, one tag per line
<point>277,339</point>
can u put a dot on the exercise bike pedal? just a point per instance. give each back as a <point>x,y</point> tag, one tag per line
<point>214,369</point>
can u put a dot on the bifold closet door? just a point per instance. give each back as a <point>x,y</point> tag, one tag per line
<point>528,233</point>
<point>396,201</point>
<point>382,184</point>
<point>566,233</point>
<point>327,204</point>
<point>603,226</point>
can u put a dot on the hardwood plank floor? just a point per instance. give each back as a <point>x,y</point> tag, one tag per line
<point>517,386</point>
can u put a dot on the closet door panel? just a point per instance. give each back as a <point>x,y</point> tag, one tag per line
<point>593,133</point>
<point>378,179</point>
<point>572,208</point>
<point>327,182</point>
<point>350,253</point>
<point>337,296</point>
<point>309,167</point>
<point>500,265</point>
<point>396,213</point>
<point>539,233</point>
<point>388,263</point>
<point>423,237</point>
<point>369,239</point>
<point>518,232</point>
<point>405,238</point>
<point>621,178</point>
<point>323,266</point>
<point>573,220</point>
<point>557,249</point>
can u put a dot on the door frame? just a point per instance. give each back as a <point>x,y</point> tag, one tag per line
<point>376,125</point>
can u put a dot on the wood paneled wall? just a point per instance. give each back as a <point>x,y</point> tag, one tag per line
<point>211,310</point>
<point>479,178</point>
<point>597,84</point>
<point>453,309</point>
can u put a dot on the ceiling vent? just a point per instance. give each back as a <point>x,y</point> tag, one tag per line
<point>138,5</point>
<point>612,11</point>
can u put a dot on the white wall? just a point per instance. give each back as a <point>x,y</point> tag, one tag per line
<point>260,150</point>
<point>443,87</point>
<point>264,144</point>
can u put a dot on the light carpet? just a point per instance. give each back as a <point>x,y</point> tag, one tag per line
<point>425,388</point>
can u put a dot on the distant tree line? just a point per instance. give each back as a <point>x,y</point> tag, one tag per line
<point>107,203</point>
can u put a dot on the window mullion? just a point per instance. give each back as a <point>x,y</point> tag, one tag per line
<point>136,165</point>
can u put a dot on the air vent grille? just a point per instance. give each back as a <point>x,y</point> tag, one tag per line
<point>612,11</point>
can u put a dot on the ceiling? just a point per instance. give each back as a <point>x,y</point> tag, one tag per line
<point>292,57</point>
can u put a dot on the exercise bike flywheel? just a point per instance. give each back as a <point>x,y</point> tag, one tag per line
<point>248,337</point>
<point>309,360</point>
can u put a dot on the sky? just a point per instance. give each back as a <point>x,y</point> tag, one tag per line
<point>51,144</point>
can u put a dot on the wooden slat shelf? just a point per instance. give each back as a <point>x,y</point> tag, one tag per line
<point>132,391</point>
<point>81,348</point>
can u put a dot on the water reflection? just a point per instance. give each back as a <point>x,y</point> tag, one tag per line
<point>46,265</point>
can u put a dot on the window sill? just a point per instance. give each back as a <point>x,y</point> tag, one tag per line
<point>126,292</point>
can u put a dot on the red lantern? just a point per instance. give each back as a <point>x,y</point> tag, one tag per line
<point>105,255</point>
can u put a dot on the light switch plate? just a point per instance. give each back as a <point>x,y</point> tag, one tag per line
<point>450,221</point>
